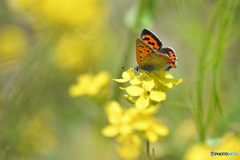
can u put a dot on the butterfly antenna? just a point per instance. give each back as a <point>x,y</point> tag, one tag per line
<point>128,59</point>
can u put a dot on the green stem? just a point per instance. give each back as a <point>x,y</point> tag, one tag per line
<point>200,115</point>
<point>153,154</point>
<point>147,150</point>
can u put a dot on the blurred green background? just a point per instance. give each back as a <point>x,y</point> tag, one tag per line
<point>46,45</point>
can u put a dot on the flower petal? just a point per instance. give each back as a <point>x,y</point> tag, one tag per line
<point>148,85</point>
<point>134,90</point>
<point>150,110</point>
<point>180,80</point>
<point>142,102</point>
<point>126,75</point>
<point>169,76</point>
<point>130,146</point>
<point>141,124</point>
<point>121,80</point>
<point>125,130</point>
<point>110,131</point>
<point>161,130</point>
<point>114,112</point>
<point>166,83</point>
<point>151,136</point>
<point>76,90</point>
<point>157,96</point>
<point>135,81</point>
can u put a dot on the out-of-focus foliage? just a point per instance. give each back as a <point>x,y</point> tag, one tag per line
<point>58,58</point>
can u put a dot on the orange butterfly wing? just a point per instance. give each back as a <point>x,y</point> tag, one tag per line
<point>151,39</point>
<point>142,50</point>
<point>149,59</point>
<point>170,52</point>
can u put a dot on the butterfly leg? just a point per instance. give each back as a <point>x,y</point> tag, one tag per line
<point>156,74</point>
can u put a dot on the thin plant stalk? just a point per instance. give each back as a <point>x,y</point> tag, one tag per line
<point>147,150</point>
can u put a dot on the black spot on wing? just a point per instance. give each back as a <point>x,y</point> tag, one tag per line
<point>146,39</point>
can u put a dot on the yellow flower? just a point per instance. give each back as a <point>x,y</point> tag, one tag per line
<point>162,80</point>
<point>13,42</point>
<point>121,122</point>
<point>89,85</point>
<point>129,76</point>
<point>130,146</point>
<point>156,130</point>
<point>81,51</point>
<point>167,82</point>
<point>127,124</point>
<point>128,121</point>
<point>145,93</point>
<point>198,152</point>
<point>147,87</point>
<point>229,143</point>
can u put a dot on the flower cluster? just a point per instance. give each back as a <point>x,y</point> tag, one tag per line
<point>72,27</point>
<point>133,124</point>
<point>125,124</point>
<point>92,86</point>
<point>148,87</point>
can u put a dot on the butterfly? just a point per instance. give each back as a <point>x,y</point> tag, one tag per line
<point>150,54</point>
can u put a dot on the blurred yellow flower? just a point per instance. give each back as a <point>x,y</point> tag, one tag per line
<point>228,143</point>
<point>13,42</point>
<point>81,26</point>
<point>129,146</point>
<point>38,135</point>
<point>90,85</point>
<point>126,122</point>
<point>198,152</point>
<point>80,51</point>
<point>73,13</point>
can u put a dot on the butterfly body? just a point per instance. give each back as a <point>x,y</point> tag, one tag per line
<point>150,54</point>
